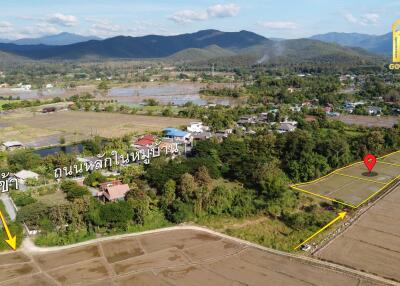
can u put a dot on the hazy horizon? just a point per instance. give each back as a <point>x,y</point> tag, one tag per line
<point>283,19</point>
<point>103,38</point>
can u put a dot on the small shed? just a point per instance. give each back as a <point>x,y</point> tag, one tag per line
<point>24,175</point>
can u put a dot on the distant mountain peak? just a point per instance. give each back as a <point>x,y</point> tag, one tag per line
<point>379,44</point>
<point>60,39</point>
<point>151,46</point>
<point>206,45</point>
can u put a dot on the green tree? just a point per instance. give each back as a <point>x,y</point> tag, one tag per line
<point>73,190</point>
<point>140,204</point>
<point>94,179</point>
<point>103,86</point>
<point>32,214</point>
<point>220,201</point>
<point>23,159</point>
<point>203,177</point>
<point>116,214</point>
<point>168,194</point>
<point>187,187</point>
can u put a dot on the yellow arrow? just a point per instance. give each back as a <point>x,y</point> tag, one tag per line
<point>12,241</point>
<point>341,215</point>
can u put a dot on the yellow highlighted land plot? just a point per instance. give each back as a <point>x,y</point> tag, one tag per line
<point>353,185</point>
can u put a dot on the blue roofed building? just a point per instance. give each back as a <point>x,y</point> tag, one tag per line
<point>178,135</point>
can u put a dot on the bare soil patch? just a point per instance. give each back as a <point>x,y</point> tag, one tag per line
<point>372,244</point>
<point>174,257</point>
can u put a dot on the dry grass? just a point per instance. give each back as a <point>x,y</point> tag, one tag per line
<point>368,121</point>
<point>75,125</point>
<point>372,244</point>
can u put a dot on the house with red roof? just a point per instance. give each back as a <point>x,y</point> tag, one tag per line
<point>145,141</point>
<point>113,191</point>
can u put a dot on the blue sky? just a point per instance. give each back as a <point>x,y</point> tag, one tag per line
<point>282,18</point>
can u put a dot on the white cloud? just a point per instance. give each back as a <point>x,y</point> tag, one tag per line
<point>5,24</point>
<point>216,11</point>
<point>187,16</point>
<point>11,31</point>
<point>279,25</point>
<point>105,28</point>
<point>28,18</point>
<point>364,20</point>
<point>222,11</point>
<point>37,30</point>
<point>350,18</point>
<point>5,27</point>
<point>370,18</point>
<point>44,28</point>
<point>62,20</point>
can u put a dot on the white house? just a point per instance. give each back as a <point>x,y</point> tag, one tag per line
<point>286,127</point>
<point>49,85</point>
<point>197,127</point>
<point>11,145</point>
<point>291,122</point>
<point>24,86</point>
<point>374,110</point>
<point>24,175</point>
<point>295,108</point>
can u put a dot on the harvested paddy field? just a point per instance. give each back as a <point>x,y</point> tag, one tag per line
<point>29,127</point>
<point>353,185</point>
<point>368,121</point>
<point>169,257</point>
<point>372,243</point>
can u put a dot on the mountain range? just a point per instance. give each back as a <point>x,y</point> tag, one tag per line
<point>52,40</point>
<point>379,44</point>
<point>152,46</point>
<point>206,45</point>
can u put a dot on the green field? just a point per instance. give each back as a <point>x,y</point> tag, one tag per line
<point>2,102</point>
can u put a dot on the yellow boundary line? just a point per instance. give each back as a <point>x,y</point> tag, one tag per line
<point>374,194</point>
<point>330,174</point>
<point>387,155</point>
<point>358,178</point>
<point>387,163</point>
<point>336,172</point>
<point>323,197</point>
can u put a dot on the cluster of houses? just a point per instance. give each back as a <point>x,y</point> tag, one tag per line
<point>329,109</point>
<point>116,190</point>
<point>371,110</point>
<point>24,87</point>
<point>281,127</point>
<point>171,139</point>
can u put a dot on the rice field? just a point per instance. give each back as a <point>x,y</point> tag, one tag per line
<point>353,185</point>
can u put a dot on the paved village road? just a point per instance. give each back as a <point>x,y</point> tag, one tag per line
<point>5,198</point>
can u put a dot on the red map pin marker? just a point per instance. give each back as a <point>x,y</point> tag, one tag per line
<point>369,161</point>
